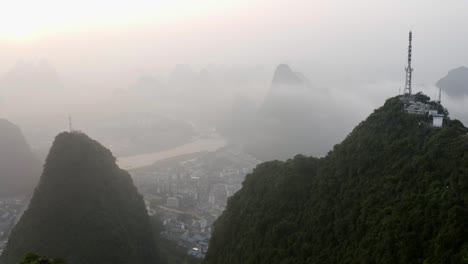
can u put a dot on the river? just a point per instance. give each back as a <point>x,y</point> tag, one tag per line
<point>210,144</point>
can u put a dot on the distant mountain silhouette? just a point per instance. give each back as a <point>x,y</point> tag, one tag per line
<point>85,210</point>
<point>455,83</point>
<point>19,169</point>
<point>290,94</point>
<point>285,76</point>
<point>287,119</point>
<point>149,84</point>
<point>182,77</point>
<point>27,75</point>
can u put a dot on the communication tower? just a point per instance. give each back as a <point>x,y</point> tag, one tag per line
<point>409,69</point>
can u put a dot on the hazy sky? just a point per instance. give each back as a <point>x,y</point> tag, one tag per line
<point>105,45</point>
<point>354,37</point>
<point>353,49</point>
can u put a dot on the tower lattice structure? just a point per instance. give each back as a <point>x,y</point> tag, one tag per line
<point>409,69</point>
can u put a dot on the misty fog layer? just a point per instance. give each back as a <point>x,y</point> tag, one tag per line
<point>149,116</point>
<point>130,73</point>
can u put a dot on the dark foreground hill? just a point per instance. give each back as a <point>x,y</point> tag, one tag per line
<point>394,191</point>
<point>84,210</point>
<point>19,169</point>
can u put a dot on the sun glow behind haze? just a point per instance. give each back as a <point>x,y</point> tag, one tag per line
<point>25,20</point>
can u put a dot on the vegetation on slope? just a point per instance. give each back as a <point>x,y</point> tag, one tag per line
<point>394,191</point>
<point>32,258</point>
<point>84,210</point>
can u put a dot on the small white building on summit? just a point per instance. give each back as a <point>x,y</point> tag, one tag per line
<point>411,104</point>
<point>437,120</point>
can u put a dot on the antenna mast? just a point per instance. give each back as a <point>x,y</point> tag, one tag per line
<point>408,69</point>
<point>70,123</point>
<point>440,95</point>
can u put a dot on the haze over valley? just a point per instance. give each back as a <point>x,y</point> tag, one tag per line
<point>262,131</point>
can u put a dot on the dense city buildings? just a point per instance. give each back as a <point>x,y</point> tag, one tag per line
<point>189,192</point>
<point>10,210</point>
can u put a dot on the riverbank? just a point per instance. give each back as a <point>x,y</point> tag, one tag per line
<point>210,144</point>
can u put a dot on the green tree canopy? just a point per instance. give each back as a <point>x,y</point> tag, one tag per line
<point>394,191</point>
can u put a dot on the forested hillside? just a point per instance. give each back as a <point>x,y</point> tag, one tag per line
<point>394,191</point>
<point>85,210</point>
